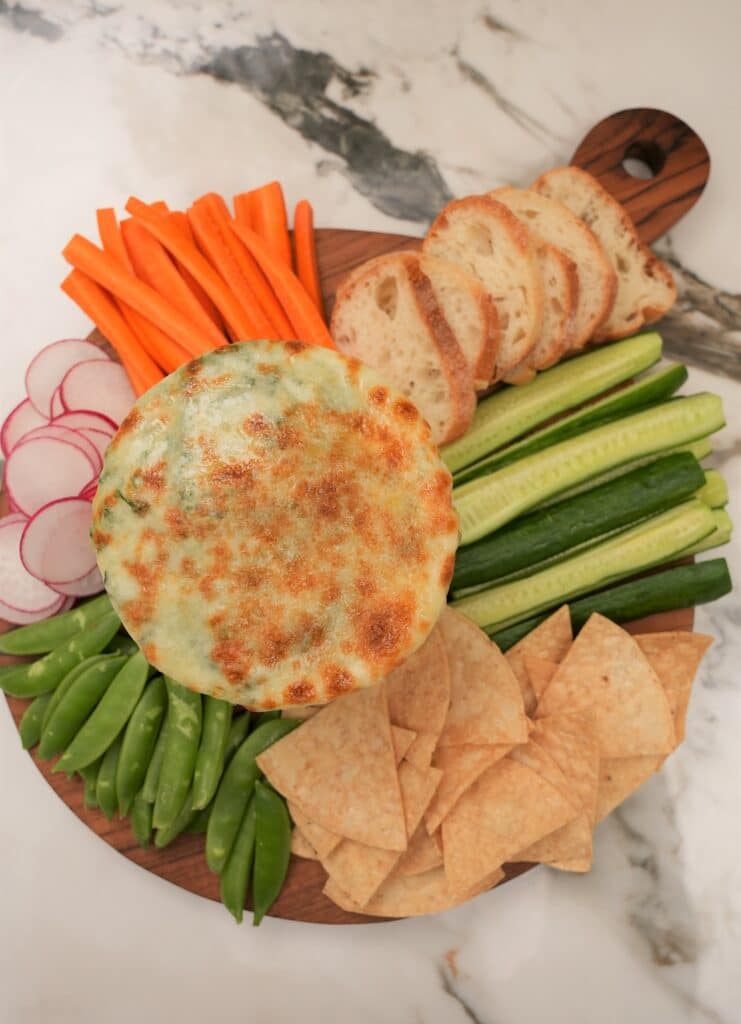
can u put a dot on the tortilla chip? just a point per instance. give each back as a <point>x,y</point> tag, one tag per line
<point>535,757</point>
<point>572,842</point>
<point>506,810</point>
<point>675,658</point>
<point>571,741</point>
<point>461,766</point>
<point>550,640</point>
<point>360,869</point>
<point>606,670</point>
<point>540,671</point>
<point>580,865</point>
<point>409,895</point>
<point>485,701</point>
<point>301,711</point>
<point>423,854</point>
<point>402,740</point>
<point>301,847</point>
<point>421,751</point>
<point>339,768</point>
<point>621,776</point>
<point>419,689</point>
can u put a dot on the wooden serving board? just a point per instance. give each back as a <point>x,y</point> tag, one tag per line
<point>681,167</point>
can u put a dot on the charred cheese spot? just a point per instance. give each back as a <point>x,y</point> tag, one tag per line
<point>300,692</point>
<point>446,573</point>
<point>378,395</point>
<point>337,680</point>
<point>381,629</point>
<point>405,410</point>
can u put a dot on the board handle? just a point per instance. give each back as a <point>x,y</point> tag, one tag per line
<point>673,153</point>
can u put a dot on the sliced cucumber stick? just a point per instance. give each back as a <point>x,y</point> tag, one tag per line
<point>720,535</point>
<point>650,543</point>
<point>715,490</point>
<point>511,412</point>
<point>486,504</point>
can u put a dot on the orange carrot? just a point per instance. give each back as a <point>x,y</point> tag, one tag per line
<point>91,298</point>
<point>299,308</point>
<point>186,252</point>
<point>243,208</point>
<point>104,269</point>
<point>304,244</point>
<point>153,265</point>
<point>269,220</point>
<point>181,222</point>
<point>159,206</point>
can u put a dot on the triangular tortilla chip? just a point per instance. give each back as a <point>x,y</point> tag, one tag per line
<point>421,751</point>
<point>535,757</point>
<point>485,701</point>
<point>571,741</point>
<point>419,689</point>
<point>540,671</point>
<point>402,740</point>
<point>423,854</point>
<point>621,776</point>
<point>301,847</point>
<point>550,640</point>
<point>301,711</point>
<point>506,810</point>
<point>339,768</point>
<point>461,766</point>
<point>410,895</point>
<point>572,842</point>
<point>359,869</point>
<point>675,658</point>
<point>579,864</point>
<point>606,670</point>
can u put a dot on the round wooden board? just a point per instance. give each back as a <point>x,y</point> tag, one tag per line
<point>667,196</point>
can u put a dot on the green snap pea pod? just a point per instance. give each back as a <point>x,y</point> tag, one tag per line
<point>76,706</point>
<point>272,849</point>
<point>41,637</point>
<point>105,789</point>
<point>268,716</point>
<point>66,683</point>
<point>217,719</point>
<point>122,645</point>
<point>199,821</point>
<point>152,778</point>
<point>184,715</point>
<point>89,776</point>
<point>237,732</point>
<point>109,717</point>
<point>139,741</point>
<point>48,672</point>
<point>33,716</point>
<point>164,836</point>
<point>236,788</point>
<point>141,820</point>
<point>235,876</point>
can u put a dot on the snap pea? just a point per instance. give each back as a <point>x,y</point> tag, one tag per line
<point>139,741</point>
<point>164,836</point>
<point>272,849</point>
<point>268,716</point>
<point>152,778</point>
<point>217,717</point>
<point>41,637</point>
<point>33,716</point>
<point>199,821</point>
<point>105,789</point>
<point>235,876</point>
<point>235,790</point>
<point>184,714</point>
<point>109,717</point>
<point>47,673</point>
<point>122,645</point>
<point>89,775</point>
<point>76,706</point>
<point>141,820</point>
<point>65,684</point>
<point>237,731</point>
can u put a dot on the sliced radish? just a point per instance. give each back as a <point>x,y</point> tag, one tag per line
<point>99,438</point>
<point>98,385</point>
<point>89,492</point>
<point>57,405</point>
<point>90,584</point>
<point>75,437</point>
<point>20,618</point>
<point>85,420</point>
<point>18,422</point>
<point>55,546</point>
<point>44,469</point>
<point>47,369</point>
<point>23,594</point>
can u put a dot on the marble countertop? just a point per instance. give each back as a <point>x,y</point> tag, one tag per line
<point>378,113</point>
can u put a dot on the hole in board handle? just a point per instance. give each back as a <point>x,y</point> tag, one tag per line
<point>644,160</point>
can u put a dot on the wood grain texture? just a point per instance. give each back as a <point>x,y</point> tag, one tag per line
<point>655,205</point>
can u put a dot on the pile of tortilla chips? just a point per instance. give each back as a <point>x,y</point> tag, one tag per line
<point>414,794</point>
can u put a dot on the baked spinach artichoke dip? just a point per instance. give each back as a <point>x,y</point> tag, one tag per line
<point>274,525</point>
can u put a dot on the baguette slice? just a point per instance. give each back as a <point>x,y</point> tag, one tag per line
<point>561,295</point>
<point>646,287</point>
<point>386,315</point>
<point>555,223</point>
<point>484,238</point>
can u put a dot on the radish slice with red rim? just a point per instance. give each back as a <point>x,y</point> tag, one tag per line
<point>98,385</point>
<point>19,422</point>
<point>84,419</point>
<point>47,369</point>
<point>57,405</point>
<point>88,585</point>
<point>20,618</point>
<point>22,595</point>
<point>89,492</point>
<point>75,437</point>
<point>99,438</point>
<point>44,469</point>
<point>55,546</point>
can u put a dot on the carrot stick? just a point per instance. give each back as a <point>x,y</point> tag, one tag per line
<point>299,308</point>
<point>159,206</point>
<point>153,265</point>
<point>186,252</point>
<point>181,222</point>
<point>104,269</point>
<point>243,206</point>
<point>304,243</point>
<point>269,220</point>
<point>91,299</point>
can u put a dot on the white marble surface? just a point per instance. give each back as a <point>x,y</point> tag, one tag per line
<point>98,100</point>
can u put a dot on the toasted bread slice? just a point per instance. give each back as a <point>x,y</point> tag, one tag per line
<point>386,315</point>
<point>561,294</point>
<point>484,238</point>
<point>555,223</point>
<point>646,287</point>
